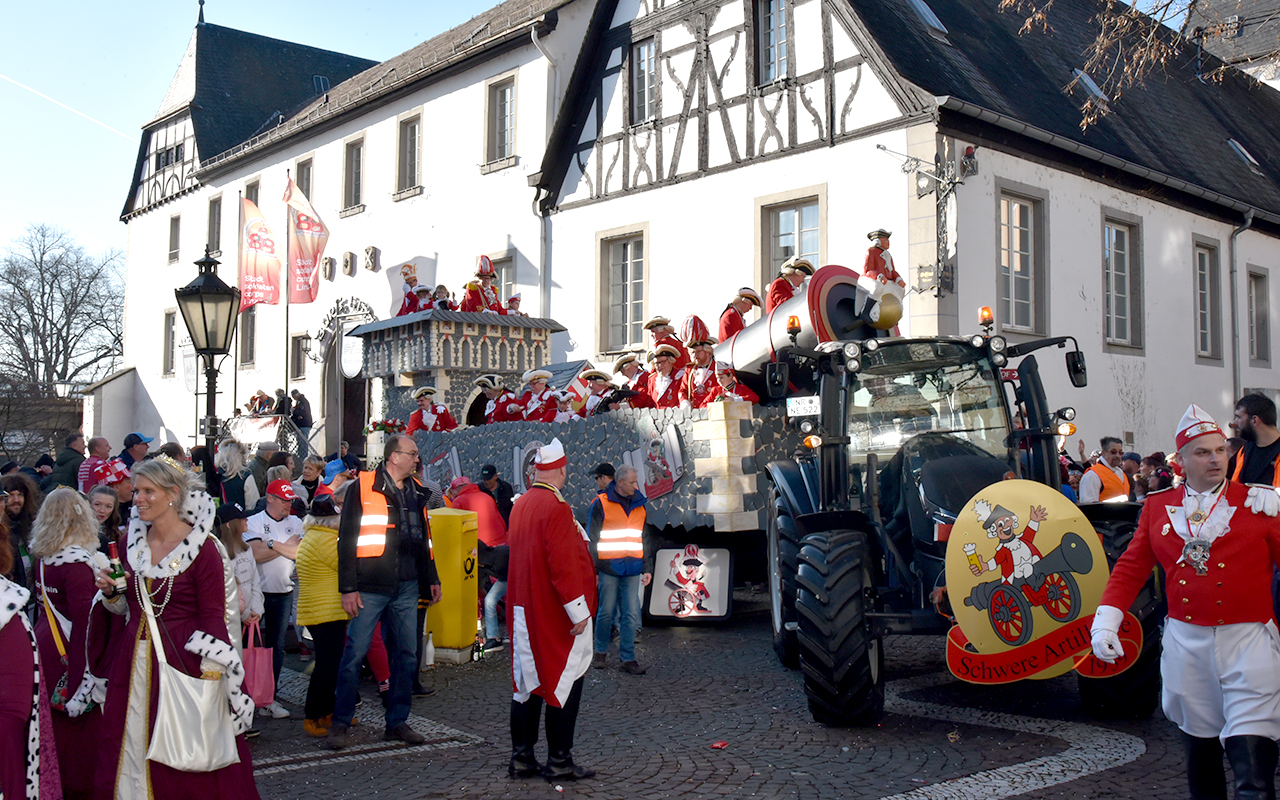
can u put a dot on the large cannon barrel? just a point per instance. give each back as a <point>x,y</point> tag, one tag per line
<point>830,307</point>
<point>1071,555</point>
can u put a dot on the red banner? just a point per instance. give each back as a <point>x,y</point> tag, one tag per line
<point>307,238</point>
<point>1068,642</point>
<point>259,259</point>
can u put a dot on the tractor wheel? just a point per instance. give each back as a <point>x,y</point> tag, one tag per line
<point>1134,693</point>
<point>783,556</point>
<point>843,664</point>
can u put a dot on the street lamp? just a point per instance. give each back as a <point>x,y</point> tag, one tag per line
<point>209,308</point>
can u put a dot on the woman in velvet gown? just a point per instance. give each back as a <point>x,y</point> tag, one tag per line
<point>65,558</point>
<point>169,553</point>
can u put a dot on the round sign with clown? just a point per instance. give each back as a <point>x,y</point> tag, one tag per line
<point>1025,572</point>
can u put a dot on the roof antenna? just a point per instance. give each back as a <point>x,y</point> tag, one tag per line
<point>200,21</point>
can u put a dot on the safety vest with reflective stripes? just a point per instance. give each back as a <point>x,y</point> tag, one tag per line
<point>374,520</point>
<point>620,536</point>
<point>1113,485</point>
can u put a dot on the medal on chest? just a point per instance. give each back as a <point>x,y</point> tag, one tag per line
<point>1196,550</point>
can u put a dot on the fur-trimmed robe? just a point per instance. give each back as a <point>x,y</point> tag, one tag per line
<point>194,586</point>
<point>21,689</point>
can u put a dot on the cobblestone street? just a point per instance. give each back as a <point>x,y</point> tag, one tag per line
<point>650,736</point>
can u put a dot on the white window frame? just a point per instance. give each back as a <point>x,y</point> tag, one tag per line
<point>175,237</point>
<point>500,122</point>
<point>611,247</point>
<point>504,282</point>
<point>252,190</point>
<point>305,171</point>
<point>169,346</point>
<point>801,229</point>
<point>765,206</point>
<point>297,358</point>
<point>644,81</point>
<point>1258,308</point>
<point>1206,301</point>
<point>772,59</point>
<point>409,155</point>
<point>1126,306</point>
<point>353,164</point>
<point>248,345</point>
<point>214,232</point>
<point>1035,248</point>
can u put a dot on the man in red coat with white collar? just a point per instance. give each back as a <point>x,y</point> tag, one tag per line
<point>699,377</point>
<point>793,271</point>
<point>734,317</point>
<point>481,296</point>
<point>1220,667</point>
<point>550,606</point>
<point>727,387</point>
<point>662,332</point>
<point>430,416</point>
<point>637,379</point>
<point>879,264</point>
<point>663,387</point>
<point>539,403</point>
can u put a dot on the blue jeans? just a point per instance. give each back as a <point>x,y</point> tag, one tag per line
<point>496,592</point>
<point>276,610</point>
<point>398,614</point>
<point>622,593</point>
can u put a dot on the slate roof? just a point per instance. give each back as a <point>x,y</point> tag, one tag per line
<point>379,80</point>
<point>1175,125</point>
<point>1255,35</point>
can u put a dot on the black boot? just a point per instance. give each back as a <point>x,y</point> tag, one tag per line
<point>560,767</point>
<point>524,735</point>
<point>560,724</point>
<point>1206,777</point>
<point>1253,760</point>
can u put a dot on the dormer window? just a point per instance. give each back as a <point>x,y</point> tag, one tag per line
<point>1091,88</point>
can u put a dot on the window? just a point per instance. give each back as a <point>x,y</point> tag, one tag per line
<point>251,192</point>
<point>505,283</point>
<point>1208,303</point>
<point>174,230</point>
<point>168,157</point>
<point>793,230</point>
<point>168,362</point>
<point>407,171</point>
<point>625,287</point>
<point>353,166</point>
<point>298,356</point>
<point>214,240</point>
<point>644,82</point>
<point>304,178</point>
<point>502,120</point>
<point>1259,334</point>
<point>771,46</point>
<point>1121,282</point>
<point>248,335</point>
<point>1022,268</point>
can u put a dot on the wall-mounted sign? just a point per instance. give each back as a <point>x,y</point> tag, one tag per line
<point>352,350</point>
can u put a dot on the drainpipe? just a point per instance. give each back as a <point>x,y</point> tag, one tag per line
<point>544,221</point>
<point>1235,293</point>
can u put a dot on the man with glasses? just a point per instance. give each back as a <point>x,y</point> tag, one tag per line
<point>384,564</point>
<point>1106,481</point>
<point>663,387</point>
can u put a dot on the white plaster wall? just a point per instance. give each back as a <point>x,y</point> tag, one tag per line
<point>1145,393</point>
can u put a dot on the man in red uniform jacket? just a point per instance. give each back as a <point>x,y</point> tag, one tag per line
<point>550,606</point>
<point>879,263</point>
<point>727,386</point>
<point>539,403</point>
<point>1216,541</point>
<point>430,416</point>
<point>699,377</point>
<point>662,332</point>
<point>733,319</point>
<point>481,296</point>
<point>499,398</point>
<point>663,387</point>
<point>793,272</point>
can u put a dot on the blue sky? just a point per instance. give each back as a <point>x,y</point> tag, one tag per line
<point>112,62</point>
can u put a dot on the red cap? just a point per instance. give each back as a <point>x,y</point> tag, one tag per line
<point>282,489</point>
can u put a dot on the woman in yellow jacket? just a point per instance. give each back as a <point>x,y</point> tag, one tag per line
<point>320,606</point>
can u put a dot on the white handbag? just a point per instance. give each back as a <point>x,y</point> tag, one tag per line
<point>193,730</point>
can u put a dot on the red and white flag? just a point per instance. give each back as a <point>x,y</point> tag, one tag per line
<point>259,259</point>
<point>307,238</point>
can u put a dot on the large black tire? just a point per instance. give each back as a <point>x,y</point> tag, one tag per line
<point>783,557</point>
<point>843,664</point>
<point>1134,693</point>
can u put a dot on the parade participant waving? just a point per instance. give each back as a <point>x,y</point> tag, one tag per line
<point>538,404</point>
<point>791,276</point>
<point>664,387</point>
<point>1216,542</point>
<point>734,317</point>
<point>430,416</point>
<point>481,296</point>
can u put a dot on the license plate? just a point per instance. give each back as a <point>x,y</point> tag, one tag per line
<point>803,406</point>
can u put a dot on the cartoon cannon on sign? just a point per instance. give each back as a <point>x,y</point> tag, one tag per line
<point>1046,581</point>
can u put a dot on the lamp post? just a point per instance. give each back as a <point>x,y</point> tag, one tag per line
<point>209,308</point>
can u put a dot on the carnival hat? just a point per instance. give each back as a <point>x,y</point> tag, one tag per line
<point>723,366</point>
<point>595,375</point>
<point>1194,424</point>
<point>879,233</point>
<point>666,350</point>
<point>535,375</point>
<point>111,472</point>
<point>425,391</point>
<point>485,382</point>
<point>515,297</point>
<point>562,395</point>
<point>422,288</point>
<point>484,267</point>
<point>796,264</point>
<point>694,330</point>
<point>655,322</point>
<point>623,360</point>
<point>551,456</point>
<point>747,293</point>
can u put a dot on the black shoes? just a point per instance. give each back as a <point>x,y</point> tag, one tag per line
<point>1253,761</point>
<point>523,765</point>
<point>402,732</point>
<point>562,768</point>
<point>632,668</point>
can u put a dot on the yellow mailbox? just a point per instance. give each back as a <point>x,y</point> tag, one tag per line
<point>452,621</point>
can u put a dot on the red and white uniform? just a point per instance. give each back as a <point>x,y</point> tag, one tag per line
<point>637,382</point>
<point>683,355</point>
<point>538,407</point>
<point>664,390</point>
<point>551,587</point>
<point>496,409</point>
<point>435,418</point>
<point>441,303</point>
<point>1017,557</point>
<point>566,416</point>
<point>482,299</point>
<point>731,322</point>
<point>1220,624</point>
<point>880,263</point>
<point>736,392</point>
<point>411,304</point>
<point>698,383</point>
<point>593,400</point>
<point>780,291</point>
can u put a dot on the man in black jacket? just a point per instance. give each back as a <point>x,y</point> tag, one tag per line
<point>384,565</point>
<point>302,418</point>
<point>498,489</point>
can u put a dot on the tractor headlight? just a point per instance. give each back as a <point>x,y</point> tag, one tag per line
<point>852,350</point>
<point>870,345</point>
<point>853,364</point>
<point>999,359</point>
<point>997,344</point>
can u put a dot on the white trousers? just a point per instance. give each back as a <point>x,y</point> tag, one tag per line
<point>1222,681</point>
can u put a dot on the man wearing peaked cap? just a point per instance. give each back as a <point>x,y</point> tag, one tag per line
<point>734,317</point>
<point>430,416</point>
<point>599,383</point>
<point>1217,542</point>
<point>513,306</point>
<point>662,332</point>
<point>274,535</point>
<point>791,277</point>
<point>551,601</point>
<point>537,404</point>
<point>663,387</point>
<point>499,398</point>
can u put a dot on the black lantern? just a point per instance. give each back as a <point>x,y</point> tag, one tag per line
<point>209,308</point>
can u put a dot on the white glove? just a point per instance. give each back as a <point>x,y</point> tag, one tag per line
<point>1263,500</point>
<point>1106,646</point>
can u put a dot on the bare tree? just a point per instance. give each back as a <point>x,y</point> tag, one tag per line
<point>33,420</point>
<point>64,310</point>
